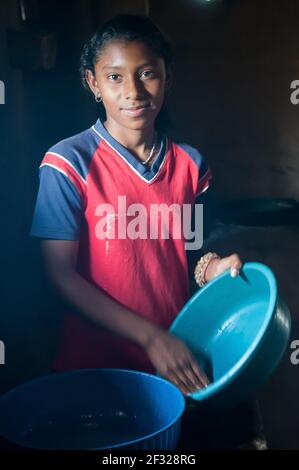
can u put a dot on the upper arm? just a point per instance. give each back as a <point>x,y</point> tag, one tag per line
<point>58,216</point>
<point>59,256</point>
<point>59,206</point>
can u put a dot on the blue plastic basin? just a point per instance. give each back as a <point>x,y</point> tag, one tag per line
<point>238,329</point>
<point>93,409</point>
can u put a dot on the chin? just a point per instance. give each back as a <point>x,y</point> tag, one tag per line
<point>139,124</point>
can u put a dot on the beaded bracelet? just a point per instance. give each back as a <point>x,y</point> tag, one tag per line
<point>201,267</point>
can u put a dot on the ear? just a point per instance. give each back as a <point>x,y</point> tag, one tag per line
<point>169,79</point>
<point>92,83</point>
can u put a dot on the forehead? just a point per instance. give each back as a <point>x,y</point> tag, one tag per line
<point>125,54</point>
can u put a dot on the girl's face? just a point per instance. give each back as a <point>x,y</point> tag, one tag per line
<point>131,79</point>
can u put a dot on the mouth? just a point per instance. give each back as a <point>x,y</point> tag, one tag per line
<point>136,110</point>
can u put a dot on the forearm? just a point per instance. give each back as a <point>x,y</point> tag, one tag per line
<point>100,308</point>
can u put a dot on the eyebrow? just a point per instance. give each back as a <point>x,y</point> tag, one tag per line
<point>114,67</point>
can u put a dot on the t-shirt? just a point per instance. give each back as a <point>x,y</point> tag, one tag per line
<point>127,218</point>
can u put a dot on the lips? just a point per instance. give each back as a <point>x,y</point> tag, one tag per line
<point>133,108</point>
<point>136,110</point>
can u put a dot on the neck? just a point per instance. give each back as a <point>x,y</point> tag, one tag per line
<point>139,142</point>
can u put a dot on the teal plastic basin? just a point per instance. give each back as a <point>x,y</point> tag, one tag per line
<point>238,329</point>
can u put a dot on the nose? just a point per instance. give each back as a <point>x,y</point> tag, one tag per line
<point>133,88</point>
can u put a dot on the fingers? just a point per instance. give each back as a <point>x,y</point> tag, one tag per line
<point>189,377</point>
<point>175,362</point>
<point>172,377</point>
<point>232,262</point>
<point>185,380</point>
<point>196,375</point>
<point>200,373</point>
<point>236,266</point>
<point>186,375</point>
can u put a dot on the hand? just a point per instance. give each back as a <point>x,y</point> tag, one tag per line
<point>174,361</point>
<point>218,265</point>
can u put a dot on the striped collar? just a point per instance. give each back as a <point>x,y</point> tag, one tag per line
<point>147,174</point>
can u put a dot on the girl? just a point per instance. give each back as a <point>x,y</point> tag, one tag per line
<point>123,287</point>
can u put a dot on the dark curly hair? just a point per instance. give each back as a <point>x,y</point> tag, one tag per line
<point>131,28</point>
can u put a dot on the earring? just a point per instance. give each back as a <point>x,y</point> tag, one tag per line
<point>98,98</point>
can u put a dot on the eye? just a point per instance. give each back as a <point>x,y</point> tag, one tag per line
<point>114,77</point>
<point>147,73</point>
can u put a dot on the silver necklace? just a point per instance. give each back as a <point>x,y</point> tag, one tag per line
<point>150,155</point>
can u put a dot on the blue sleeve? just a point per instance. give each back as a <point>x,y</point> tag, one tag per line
<point>59,210</point>
<point>205,175</point>
<point>204,170</point>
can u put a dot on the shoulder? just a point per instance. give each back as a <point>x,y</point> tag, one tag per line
<point>67,162</point>
<point>73,153</point>
<point>193,154</point>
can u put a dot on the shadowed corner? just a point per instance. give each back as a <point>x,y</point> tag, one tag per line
<point>243,276</point>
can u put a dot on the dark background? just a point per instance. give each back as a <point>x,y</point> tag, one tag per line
<point>235,61</point>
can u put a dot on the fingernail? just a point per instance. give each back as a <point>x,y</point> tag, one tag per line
<point>234,272</point>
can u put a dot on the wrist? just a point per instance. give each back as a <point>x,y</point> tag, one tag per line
<point>147,334</point>
<point>201,273</point>
<point>211,270</point>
